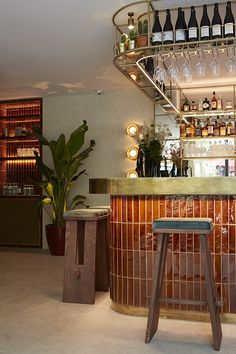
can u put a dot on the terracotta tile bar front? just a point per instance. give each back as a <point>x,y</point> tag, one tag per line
<point>133,244</point>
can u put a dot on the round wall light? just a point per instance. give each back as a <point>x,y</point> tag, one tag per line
<point>132,174</point>
<point>132,153</point>
<point>132,129</point>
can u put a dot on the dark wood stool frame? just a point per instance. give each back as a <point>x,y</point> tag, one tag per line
<point>86,258</point>
<point>212,302</point>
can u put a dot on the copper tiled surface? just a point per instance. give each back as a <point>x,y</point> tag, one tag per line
<point>133,248</point>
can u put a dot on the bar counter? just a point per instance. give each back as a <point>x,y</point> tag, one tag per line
<point>134,204</point>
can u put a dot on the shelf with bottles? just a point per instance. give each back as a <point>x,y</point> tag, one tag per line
<point>176,52</point>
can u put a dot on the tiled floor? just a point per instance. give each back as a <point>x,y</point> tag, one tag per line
<point>34,320</point>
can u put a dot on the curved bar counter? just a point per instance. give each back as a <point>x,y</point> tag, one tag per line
<point>135,203</point>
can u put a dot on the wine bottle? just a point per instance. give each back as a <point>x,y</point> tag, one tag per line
<point>229,22</point>
<point>216,23</point>
<point>193,31</point>
<point>206,105</point>
<point>185,26</point>
<point>156,30</point>
<point>205,25</point>
<point>168,35</point>
<point>149,66</point>
<point>179,28</point>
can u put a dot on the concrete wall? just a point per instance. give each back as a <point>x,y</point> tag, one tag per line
<point>107,115</point>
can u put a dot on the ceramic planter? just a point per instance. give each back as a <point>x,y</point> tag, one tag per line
<point>56,239</point>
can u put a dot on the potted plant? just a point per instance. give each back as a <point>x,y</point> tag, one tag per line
<point>142,37</point>
<point>123,44</point>
<point>59,179</point>
<point>132,38</point>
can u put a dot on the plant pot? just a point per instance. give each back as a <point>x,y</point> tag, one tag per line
<point>56,239</point>
<point>131,44</point>
<point>142,41</point>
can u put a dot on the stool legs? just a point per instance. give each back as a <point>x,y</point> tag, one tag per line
<point>79,279</point>
<point>212,295</point>
<point>102,257</point>
<point>158,278</point>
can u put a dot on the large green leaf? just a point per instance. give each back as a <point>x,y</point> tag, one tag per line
<point>41,138</point>
<point>84,154</point>
<point>76,141</point>
<point>60,147</point>
<point>72,169</point>
<point>45,170</point>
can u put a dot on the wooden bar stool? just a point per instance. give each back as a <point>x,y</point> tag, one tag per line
<point>86,268</point>
<point>165,227</point>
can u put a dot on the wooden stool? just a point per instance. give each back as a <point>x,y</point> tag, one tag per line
<point>165,227</point>
<point>86,268</point>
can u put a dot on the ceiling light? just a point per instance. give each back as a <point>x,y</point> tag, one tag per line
<point>132,129</point>
<point>132,153</point>
<point>130,21</point>
<point>132,174</point>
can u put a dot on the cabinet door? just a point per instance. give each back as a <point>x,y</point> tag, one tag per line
<point>20,222</point>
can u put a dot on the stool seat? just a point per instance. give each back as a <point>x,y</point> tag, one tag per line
<point>192,225</point>
<point>85,213</point>
<point>164,227</point>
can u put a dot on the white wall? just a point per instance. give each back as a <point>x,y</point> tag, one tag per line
<point>108,116</point>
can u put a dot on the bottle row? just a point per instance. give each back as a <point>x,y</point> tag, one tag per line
<point>207,29</point>
<point>14,189</point>
<point>19,111</point>
<point>216,103</point>
<point>197,128</point>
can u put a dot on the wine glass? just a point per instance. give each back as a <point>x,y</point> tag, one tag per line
<point>200,67</point>
<point>173,71</point>
<point>160,74</point>
<point>186,71</point>
<point>230,64</point>
<point>215,66</point>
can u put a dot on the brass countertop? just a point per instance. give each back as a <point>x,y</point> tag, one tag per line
<point>164,186</point>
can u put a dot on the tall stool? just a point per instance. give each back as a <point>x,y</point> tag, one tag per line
<point>165,227</point>
<point>86,260</point>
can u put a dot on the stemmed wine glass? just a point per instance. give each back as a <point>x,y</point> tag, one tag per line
<point>230,64</point>
<point>215,66</point>
<point>200,67</point>
<point>186,71</point>
<point>173,70</point>
<point>160,74</point>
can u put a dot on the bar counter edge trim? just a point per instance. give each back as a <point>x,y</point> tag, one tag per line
<point>164,186</point>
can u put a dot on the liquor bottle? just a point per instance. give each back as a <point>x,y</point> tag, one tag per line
<point>179,28</point>
<point>214,101</point>
<point>186,106</point>
<point>219,102</point>
<point>210,127</point>
<point>216,23</point>
<point>193,106</point>
<point>205,25</point>
<point>198,131</point>
<point>206,105</point>
<point>192,128</point>
<point>182,129</point>
<point>229,128</point>
<point>193,31</point>
<point>216,129</point>
<point>229,22</point>
<point>205,131</point>
<point>222,128</point>
<point>200,105</point>
<point>156,30</point>
<point>188,130</point>
<point>168,35</point>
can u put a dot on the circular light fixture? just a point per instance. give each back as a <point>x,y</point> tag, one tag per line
<point>133,76</point>
<point>132,153</point>
<point>132,129</point>
<point>130,21</point>
<point>132,174</point>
